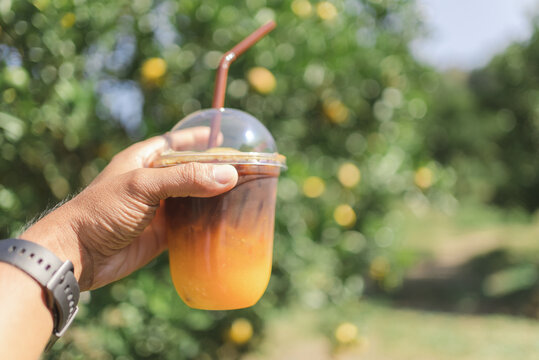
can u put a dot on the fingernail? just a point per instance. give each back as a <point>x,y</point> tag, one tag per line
<point>223,174</point>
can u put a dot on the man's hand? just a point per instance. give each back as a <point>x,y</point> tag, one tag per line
<point>115,225</point>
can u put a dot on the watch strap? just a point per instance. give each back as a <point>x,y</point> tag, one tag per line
<point>56,277</point>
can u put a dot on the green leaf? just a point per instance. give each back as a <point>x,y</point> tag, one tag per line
<point>14,127</point>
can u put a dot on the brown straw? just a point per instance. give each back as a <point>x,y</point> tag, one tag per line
<point>222,75</point>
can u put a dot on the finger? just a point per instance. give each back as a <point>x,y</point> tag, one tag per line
<point>192,179</point>
<point>194,139</point>
<point>143,153</point>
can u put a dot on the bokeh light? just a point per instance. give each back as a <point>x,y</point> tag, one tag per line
<point>423,177</point>
<point>262,80</point>
<point>153,69</point>
<point>241,331</point>
<point>302,8</point>
<point>346,333</point>
<point>336,111</point>
<point>344,215</point>
<point>379,268</point>
<point>349,175</point>
<point>68,20</point>
<point>313,186</point>
<point>326,10</point>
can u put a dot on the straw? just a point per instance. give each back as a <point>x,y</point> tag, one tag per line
<point>222,75</point>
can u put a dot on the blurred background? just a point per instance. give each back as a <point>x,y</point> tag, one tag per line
<point>407,223</point>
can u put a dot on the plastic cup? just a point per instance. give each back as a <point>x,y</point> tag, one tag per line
<point>221,248</point>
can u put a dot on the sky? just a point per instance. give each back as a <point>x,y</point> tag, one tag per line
<point>466,34</point>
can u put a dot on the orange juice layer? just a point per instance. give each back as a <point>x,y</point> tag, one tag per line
<point>221,275</point>
<point>220,248</point>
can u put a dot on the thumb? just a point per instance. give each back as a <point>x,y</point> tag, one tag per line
<point>192,179</point>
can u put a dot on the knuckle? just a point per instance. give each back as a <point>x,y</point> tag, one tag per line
<point>118,158</point>
<point>193,174</point>
<point>142,188</point>
<point>135,181</point>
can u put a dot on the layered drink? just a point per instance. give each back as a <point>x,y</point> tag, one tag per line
<point>221,247</point>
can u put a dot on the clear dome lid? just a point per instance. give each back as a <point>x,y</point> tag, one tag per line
<point>242,139</point>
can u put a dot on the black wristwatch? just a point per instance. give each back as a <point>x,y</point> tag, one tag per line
<point>57,279</point>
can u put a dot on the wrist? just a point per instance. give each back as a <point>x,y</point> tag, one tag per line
<point>57,232</point>
<point>25,312</point>
<point>56,278</point>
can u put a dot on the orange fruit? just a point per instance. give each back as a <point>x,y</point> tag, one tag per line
<point>423,177</point>
<point>68,20</point>
<point>344,215</point>
<point>313,187</point>
<point>153,69</point>
<point>349,175</point>
<point>302,8</point>
<point>262,80</point>
<point>241,331</point>
<point>326,10</point>
<point>346,333</point>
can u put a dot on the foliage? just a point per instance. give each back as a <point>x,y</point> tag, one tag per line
<point>508,88</point>
<point>484,126</point>
<point>335,83</point>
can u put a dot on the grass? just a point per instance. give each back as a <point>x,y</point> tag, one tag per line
<point>440,241</point>
<point>472,230</point>
<point>399,334</point>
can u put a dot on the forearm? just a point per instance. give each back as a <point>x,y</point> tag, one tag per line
<point>56,232</point>
<point>26,321</point>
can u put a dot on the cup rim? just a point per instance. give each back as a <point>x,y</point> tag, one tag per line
<point>171,158</point>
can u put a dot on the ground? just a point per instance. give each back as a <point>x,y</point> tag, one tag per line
<point>443,310</point>
<point>398,334</point>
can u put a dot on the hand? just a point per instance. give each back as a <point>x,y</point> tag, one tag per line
<point>115,225</point>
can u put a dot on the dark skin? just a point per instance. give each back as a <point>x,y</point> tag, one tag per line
<point>112,228</point>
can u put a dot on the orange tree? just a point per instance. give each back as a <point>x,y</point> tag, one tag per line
<point>336,85</point>
<point>508,88</point>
